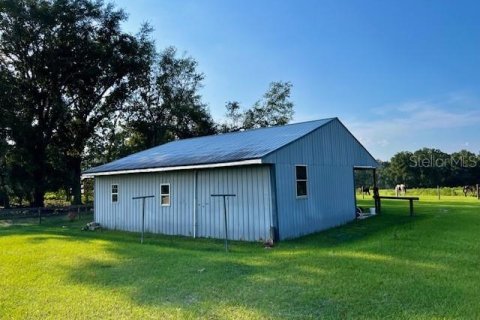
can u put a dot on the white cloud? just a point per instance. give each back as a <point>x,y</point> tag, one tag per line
<point>397,127</point>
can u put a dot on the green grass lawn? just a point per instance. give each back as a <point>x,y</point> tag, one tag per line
<point>389,266</point>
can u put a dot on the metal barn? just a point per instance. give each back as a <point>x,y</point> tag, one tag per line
<point>289,181</point>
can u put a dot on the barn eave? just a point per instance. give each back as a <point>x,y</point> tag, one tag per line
<point>176,168</point>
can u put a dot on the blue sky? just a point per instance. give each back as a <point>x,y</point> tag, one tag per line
<point>400,74</point>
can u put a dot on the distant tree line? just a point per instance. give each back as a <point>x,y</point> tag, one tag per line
<point>76,91</point>
<point>426,168</point>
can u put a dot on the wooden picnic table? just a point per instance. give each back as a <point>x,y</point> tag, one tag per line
<point>410,199</point>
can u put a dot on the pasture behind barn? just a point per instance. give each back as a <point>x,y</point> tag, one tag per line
<point>388,266</point>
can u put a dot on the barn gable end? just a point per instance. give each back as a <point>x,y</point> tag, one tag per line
<point>330,153</point>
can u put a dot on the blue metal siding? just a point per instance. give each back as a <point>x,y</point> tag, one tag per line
<point>126,213</point>
<point>250,213</point>
<point>330,154</point>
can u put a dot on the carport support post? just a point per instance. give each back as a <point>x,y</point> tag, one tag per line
<point>376,193</point>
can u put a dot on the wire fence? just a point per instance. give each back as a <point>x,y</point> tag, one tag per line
<point>439,191</point>
<point>73,212</point>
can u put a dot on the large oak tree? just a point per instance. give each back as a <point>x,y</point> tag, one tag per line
<point>74,67</point>
<point>168,105</point>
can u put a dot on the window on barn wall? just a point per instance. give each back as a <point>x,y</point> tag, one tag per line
<point>301,179</point>
<point>114,192</point>
<point>165,194</point>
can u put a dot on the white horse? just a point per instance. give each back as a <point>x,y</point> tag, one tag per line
<point>400,189</point>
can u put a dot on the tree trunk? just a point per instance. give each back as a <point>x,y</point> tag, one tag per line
<point>76,163</point>
<point>68,195</point>
<point>38,196</point>
<point>39,175</point>
<point>5,200</point>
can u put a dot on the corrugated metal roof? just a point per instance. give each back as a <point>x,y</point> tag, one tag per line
<point>228,147</point>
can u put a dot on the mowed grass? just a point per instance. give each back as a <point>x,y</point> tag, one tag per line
<point>387,267</point>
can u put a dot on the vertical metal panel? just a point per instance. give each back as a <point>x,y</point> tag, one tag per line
<point>250,213</point>
<point>126,213</point>
<point>330,154</point>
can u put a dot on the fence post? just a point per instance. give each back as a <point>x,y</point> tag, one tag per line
<point>438,192</point>
<point>39,215</point>
<point>478,191</point>
<point>78,212</point>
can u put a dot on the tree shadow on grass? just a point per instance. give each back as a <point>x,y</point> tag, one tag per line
<point>310,285</point>
<point>390,220</point>
<point>360,270</point>
<point>302,278</point>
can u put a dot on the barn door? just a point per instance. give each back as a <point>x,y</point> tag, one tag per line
<point>209,220</point>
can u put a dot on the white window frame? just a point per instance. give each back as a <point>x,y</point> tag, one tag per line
<point>301,180</point>
<point>113,193</point>
<point>169,194</point>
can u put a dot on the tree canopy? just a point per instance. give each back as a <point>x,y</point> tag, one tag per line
<point>76,91</point>
<point>69,66</point>
<point>428,168</point>
<point>275,108</point>
<point>168,106</point>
